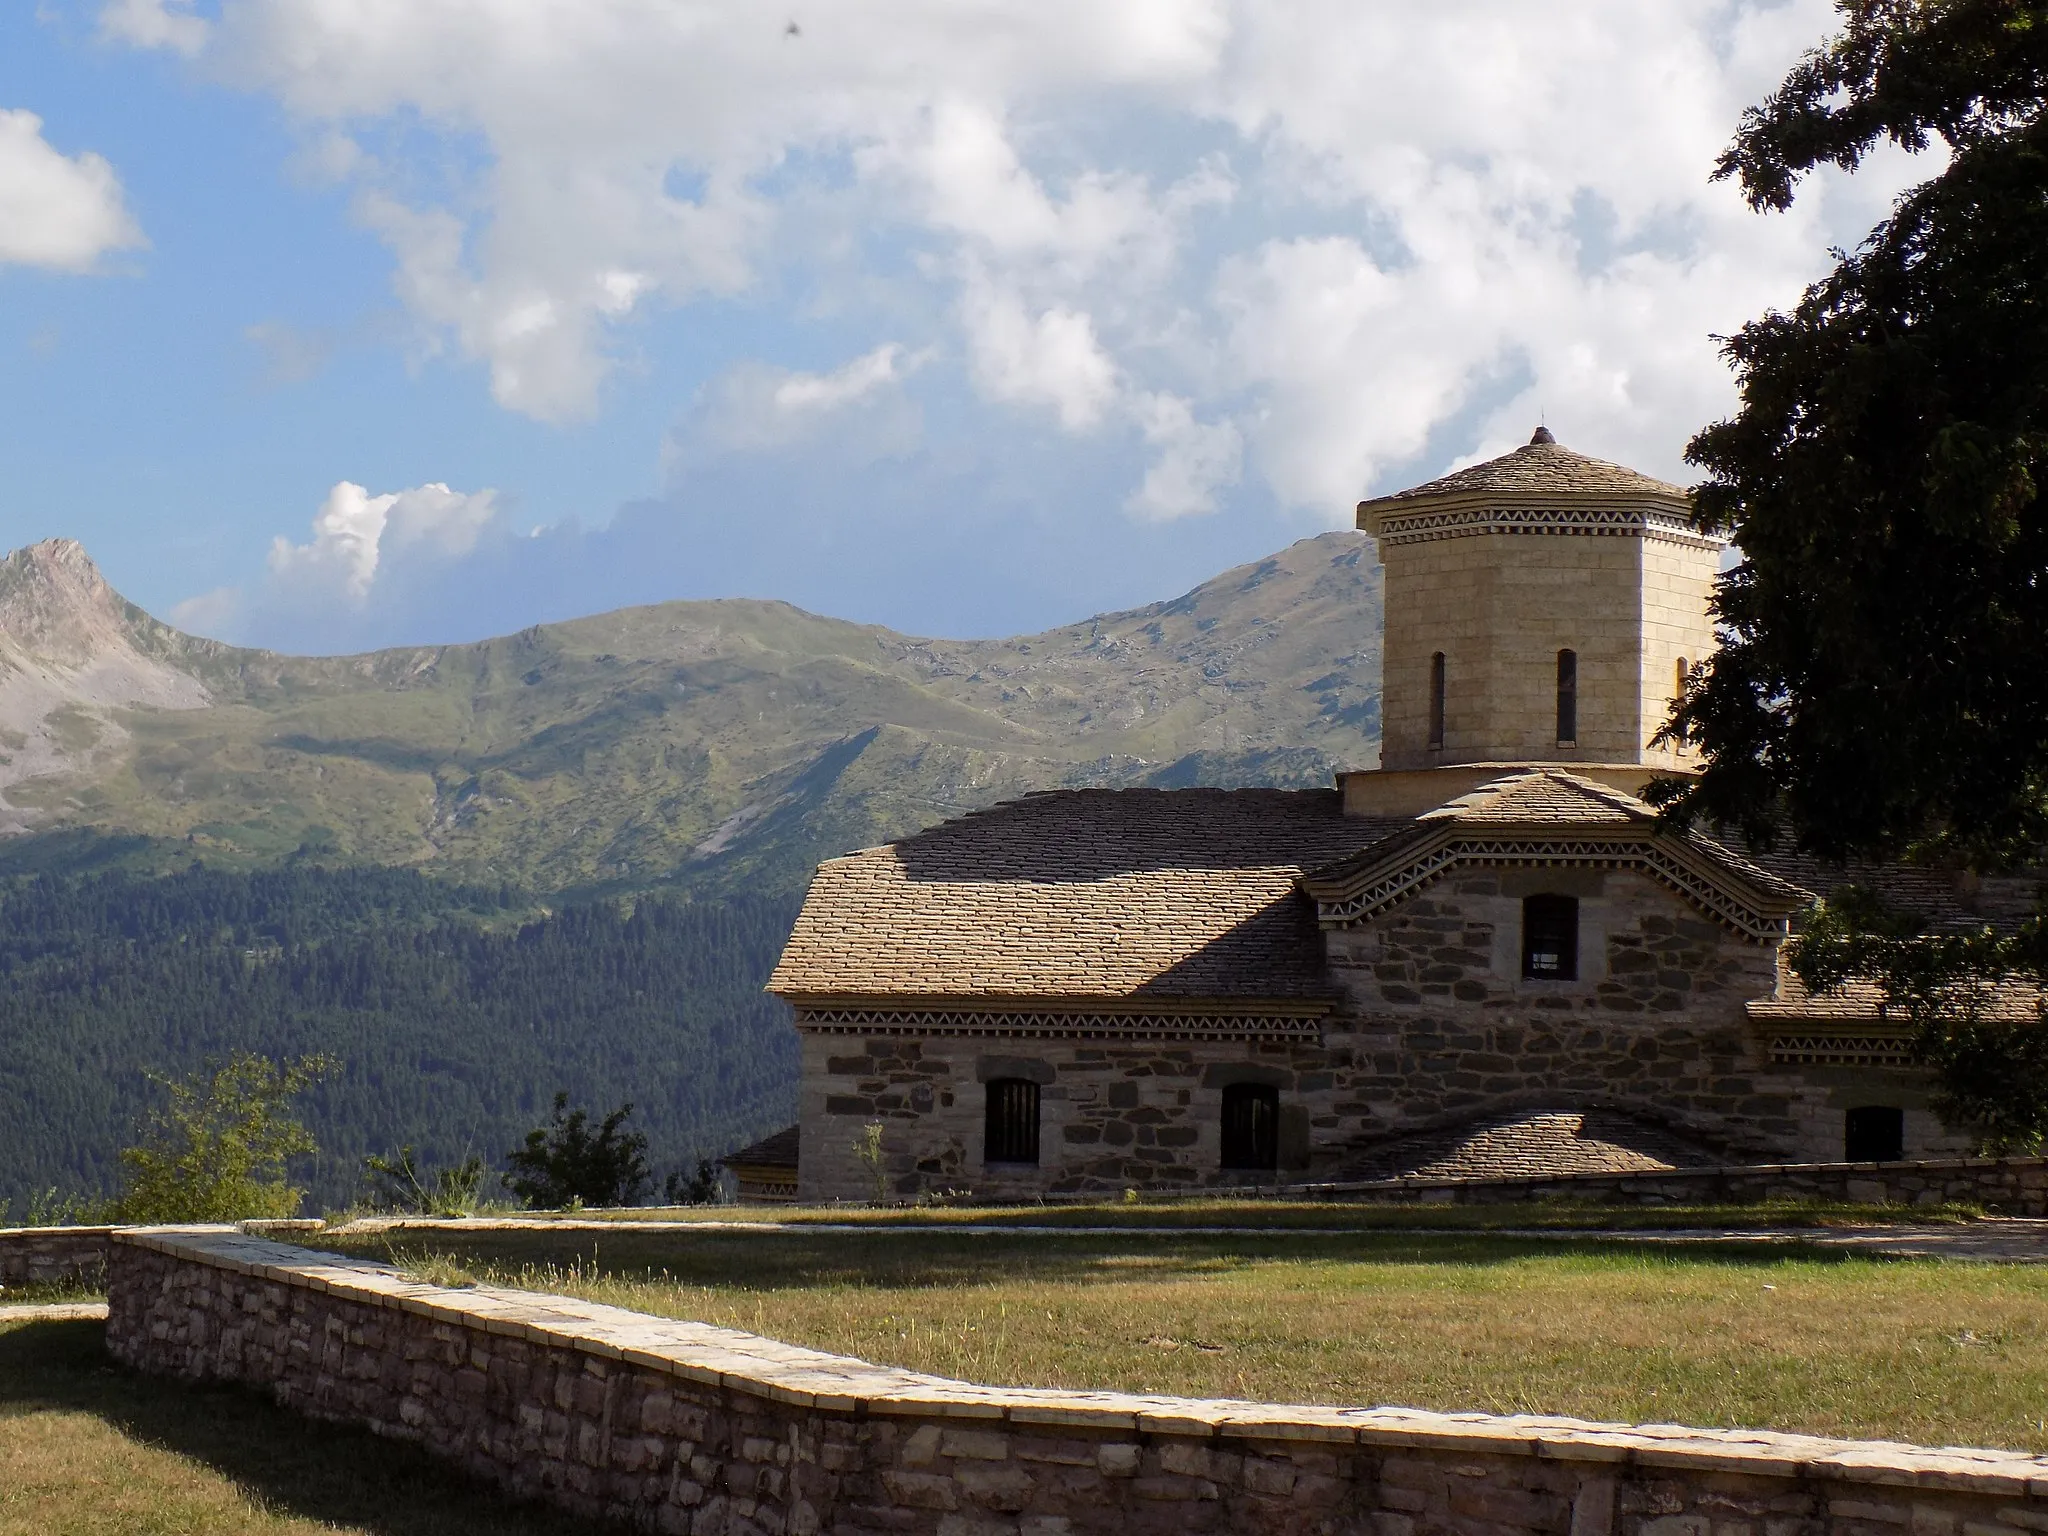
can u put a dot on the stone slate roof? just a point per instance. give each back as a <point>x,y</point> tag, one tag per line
<point>1547,1142</point>
<point>1082,895</point>
<point>1861,1002</point>
<point>1545,802</point>
<point>1539,468</point>
<point>1538,796</point>
<point>777,1151</point>
<point>1145,895</point>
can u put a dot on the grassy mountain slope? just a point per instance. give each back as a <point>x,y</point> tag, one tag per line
<point>722,743</point>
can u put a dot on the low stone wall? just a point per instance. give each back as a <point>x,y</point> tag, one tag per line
<point>2010,1186</point>
<point>53,1255</point>
<point>682,1427</point>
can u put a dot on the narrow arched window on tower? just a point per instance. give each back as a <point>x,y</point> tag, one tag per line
<point>1567,698</point>
<point>1678,687</point>
<point>1436,702</point>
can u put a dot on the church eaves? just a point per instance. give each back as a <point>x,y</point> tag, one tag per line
<point>1549,817</point>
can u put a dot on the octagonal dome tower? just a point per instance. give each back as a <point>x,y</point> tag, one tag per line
<point>1540,607</point>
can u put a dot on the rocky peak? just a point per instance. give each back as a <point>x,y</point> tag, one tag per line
<point>55,605</point>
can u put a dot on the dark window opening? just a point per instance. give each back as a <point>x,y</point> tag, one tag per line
<point>1436,701</point>
<point>1874,1133</point>
<point>1567,698</point>
<point>1550,938</point>
<point>1251,1126</point>
<point>1012,1128</point>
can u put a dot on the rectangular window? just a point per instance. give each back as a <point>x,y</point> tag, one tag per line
<point>1010,1133</point>
<point>1567,698</point>
<point>1550,938</point>
<point>1874,1133</point>
<point>1251,1126</point>
<point>1436,701</point>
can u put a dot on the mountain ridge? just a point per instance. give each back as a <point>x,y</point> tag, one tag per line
<point>715,743</point>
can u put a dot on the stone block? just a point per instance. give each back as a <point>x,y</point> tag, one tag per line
<point>968,1525</point>
<point>1069,1453</point>
<point>1264,1474</point>
<point>974,1445</point>
<point>995,1487</point>
<point>1117,1459</point>
<point>922,1490</point>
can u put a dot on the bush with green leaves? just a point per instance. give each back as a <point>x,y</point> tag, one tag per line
<point>565,1163</point>
<point>399,1184</point>
<point>220,1149</point>
<point>704,1186</point>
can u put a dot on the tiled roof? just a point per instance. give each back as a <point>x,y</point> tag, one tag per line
<point>1529,1143</point>
<point>1538,469</point>
<point>1537,796</point>
<point>777,1151</point>
<point>1862,1002</point>
<point>1083,894</point>
<point>1944,897</point>
<point>1550,801</point>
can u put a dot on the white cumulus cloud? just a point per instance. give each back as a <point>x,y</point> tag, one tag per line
<point>58,211</point>
<point>1293,248</point>
<point>355,534</point>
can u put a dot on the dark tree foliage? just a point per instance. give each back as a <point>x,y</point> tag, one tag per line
<point>565,1162</point>
<point>455,1013</point>
<point>1989,1051</point>
<point>1883,687</point>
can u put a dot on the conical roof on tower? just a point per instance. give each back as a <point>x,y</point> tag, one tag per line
<point>1540,467</point>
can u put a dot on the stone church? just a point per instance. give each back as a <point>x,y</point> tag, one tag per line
<point>1484,955</point>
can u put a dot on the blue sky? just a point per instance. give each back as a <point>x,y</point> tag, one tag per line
<point>328,324</point>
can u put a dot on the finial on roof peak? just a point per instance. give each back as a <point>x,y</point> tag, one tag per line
<point>1542,436</point>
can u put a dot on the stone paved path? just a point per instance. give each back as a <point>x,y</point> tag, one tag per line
<point>56,1312</point>
<point>1998,1240</point>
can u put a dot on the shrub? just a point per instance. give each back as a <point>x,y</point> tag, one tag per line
<point>565,1163</point>
<point>703,1187</point>
<point>218,1150</point>
<point>399,1184</point>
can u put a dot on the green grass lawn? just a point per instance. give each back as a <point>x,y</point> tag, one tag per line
<point>1793,1339</point>
<point>88,1449</point>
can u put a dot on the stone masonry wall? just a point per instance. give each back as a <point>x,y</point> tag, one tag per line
<point>1439,1027</point>
<point>1447,1028</point>
<point>680,1427</point>
<point>1116,1112</point>
<point>52,1255</point>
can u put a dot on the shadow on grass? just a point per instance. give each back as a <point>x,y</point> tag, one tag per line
<point>328,1473</point>
<point>790,1260</point>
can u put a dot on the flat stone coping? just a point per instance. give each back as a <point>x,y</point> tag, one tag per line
<point>808,1378</point>
<point>56,1312</point>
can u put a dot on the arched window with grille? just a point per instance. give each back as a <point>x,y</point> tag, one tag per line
<point>1251,1126</point>
<point>1010,1132</point>
<point>1567,698</point>
<point>1437,680</point>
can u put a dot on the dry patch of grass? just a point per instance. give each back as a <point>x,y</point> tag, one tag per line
<point>1778,1338</point>
<point>87,1449</point>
